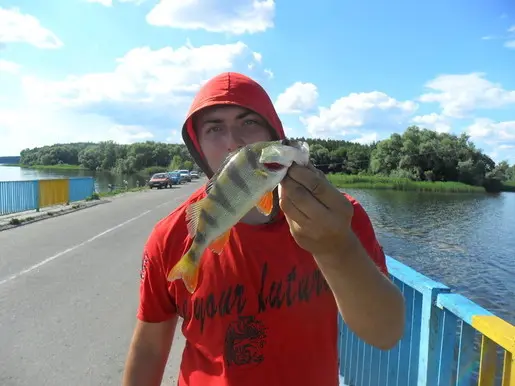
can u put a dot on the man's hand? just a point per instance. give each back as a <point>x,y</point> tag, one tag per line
<point>318,214</point>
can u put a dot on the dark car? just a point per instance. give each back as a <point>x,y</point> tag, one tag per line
<point>160,180</point>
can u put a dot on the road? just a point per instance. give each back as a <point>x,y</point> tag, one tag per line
<point>69,292</point>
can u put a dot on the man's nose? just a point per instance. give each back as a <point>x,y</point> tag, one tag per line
<point>234,141</point>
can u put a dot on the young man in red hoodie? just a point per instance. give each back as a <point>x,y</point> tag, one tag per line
<point>265,310</point>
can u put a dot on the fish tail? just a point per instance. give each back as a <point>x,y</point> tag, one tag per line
<point>187,270</point>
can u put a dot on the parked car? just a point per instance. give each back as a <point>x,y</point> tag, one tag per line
<point>160,180</point>
<point>175,177</point>
<point>194,175</point>
<point>185,174</point>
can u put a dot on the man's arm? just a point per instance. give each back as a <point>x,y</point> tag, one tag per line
<point>371,305</point>
<point>148,353</point>
<point>156,321</point>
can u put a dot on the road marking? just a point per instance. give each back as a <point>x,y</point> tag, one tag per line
<point>51,258</point>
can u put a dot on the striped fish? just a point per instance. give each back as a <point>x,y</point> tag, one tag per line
<point>245,180</point>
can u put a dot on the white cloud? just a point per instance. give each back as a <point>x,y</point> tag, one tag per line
<point>46,126</point>
<point>244,16</point>
<point>146,93</point>
<point>16,27</point>
<point>8,66</point>
<point>366,138</point>
<point>498,136</point>
<point>143,78</point>
<point>433,121</point>
<point>510,44</point>
<point>297,98</point>
<point>511,29</point>
<point>458,95</point>
<point>359,112</point>
<point>492,131</point>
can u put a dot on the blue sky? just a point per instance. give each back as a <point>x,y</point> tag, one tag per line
<point>126,70</point>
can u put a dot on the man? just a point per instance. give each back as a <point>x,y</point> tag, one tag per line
<point>265,310</point>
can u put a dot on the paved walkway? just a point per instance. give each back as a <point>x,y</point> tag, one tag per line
<point>69,292</point>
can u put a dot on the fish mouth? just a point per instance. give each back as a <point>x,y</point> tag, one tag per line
<point>274,166</point>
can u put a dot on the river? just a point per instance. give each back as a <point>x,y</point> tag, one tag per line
<point>463,240</point>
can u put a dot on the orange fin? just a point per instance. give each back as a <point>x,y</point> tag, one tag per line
<point>187,270</point>
<point>218,245</point>
<point>266,203</point>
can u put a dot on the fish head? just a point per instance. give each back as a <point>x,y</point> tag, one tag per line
<point>275,157</point>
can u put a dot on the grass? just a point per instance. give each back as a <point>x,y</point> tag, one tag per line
<point>54,167</point>
<point>115,192</point>
<point>377,182</point>
<point>508,186</point>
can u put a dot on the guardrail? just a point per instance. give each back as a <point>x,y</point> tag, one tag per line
<point>448,340</point>
<point>20,196</point>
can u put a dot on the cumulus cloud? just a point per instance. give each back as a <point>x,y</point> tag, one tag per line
<point>433,121</point>
<point>298,98</point>
<point>17,27</point>
<point>359,113</point>
<point>144,96</point>
<point>147,87</point>
<point>46,126</point>
<point>459,95</point>
<point>8,66</point>
<point>498,136</point>
<point>244,16</point>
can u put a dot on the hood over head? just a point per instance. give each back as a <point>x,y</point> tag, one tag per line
<point>229,88</point>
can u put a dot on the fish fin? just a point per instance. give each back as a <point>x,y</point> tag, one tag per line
<point>218,245</point>
<point>266,203</point>
<point>192,216</point>
<point>187,270</point>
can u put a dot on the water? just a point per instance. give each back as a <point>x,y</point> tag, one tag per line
<point>102,178</point>
<point>463,240</point>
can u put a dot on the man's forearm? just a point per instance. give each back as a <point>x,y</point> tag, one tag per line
<point>371,305</point>
<point>143,368</point>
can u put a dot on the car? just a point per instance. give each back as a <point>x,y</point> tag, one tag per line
<point>159,181</point>
<point>185,174</point>
<point>194,175</point>
<point>175,177</point>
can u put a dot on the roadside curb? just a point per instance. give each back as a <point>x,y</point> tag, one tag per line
<point>35,216</point>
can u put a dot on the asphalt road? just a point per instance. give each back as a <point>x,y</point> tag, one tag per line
<point>69,292</point>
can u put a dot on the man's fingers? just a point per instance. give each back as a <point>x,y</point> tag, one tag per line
<point>310,177</point>
<point>303,199</point>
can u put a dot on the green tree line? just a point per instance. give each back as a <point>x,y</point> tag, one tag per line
<point>110,156</point>
<point>418,154</point>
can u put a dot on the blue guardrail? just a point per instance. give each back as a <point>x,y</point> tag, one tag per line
<point>20,196</point>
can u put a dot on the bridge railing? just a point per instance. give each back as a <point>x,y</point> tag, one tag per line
<point>20,196</point>
<point>448,340</point>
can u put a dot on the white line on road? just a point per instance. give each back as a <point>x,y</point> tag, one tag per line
<point>49,259</point>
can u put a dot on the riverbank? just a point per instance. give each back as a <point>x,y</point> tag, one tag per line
<point>49,167</point>
<point>377,182</point>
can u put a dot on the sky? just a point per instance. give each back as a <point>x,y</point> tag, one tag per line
<point>127,70</point>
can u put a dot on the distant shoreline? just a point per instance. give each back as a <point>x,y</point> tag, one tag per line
<point>405,184</point>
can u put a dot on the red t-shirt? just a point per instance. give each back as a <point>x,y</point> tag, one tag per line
<point>262,313</point>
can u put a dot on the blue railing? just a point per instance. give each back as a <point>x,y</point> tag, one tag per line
<point>20,196</point>
<point>439,345</point>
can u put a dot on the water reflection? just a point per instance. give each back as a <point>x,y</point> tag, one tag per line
<point>462,240</point>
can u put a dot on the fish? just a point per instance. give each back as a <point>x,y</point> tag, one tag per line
<point>246,179</point>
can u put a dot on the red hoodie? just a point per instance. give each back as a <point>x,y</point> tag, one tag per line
<point>262,313</point>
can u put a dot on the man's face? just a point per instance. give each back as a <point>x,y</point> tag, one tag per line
<point>222,129</point>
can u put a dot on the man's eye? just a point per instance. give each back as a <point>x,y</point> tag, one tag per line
<point>213,129</point>
<point>251,122</point>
